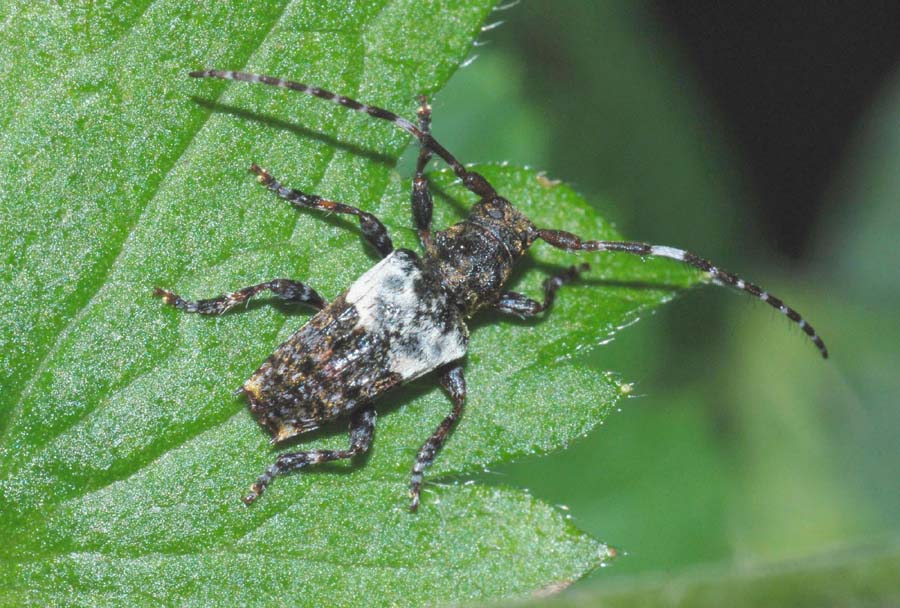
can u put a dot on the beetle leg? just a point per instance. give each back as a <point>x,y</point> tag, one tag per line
<point>454,383</point>
<point>523,306</point>
<point>293,291</point>
<point>422,204</point>
<point>362,429</point>
<point>372,228</point>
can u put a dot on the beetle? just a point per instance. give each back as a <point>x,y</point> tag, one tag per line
<point>406,316</point>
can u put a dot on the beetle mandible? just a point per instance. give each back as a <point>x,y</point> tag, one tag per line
<point>406,316</point>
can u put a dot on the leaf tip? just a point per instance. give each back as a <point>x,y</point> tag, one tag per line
<point>606,554</point>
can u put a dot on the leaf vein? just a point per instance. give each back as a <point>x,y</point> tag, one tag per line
<point>16,410</point>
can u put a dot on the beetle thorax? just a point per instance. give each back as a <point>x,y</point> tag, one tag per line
<point>475,257</point>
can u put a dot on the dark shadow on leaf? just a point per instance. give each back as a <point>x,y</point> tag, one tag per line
<point>460,207</point>
<point>338,221</point>
<point>278,123</point>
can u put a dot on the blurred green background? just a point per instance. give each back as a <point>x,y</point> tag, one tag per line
<point>740,446</point>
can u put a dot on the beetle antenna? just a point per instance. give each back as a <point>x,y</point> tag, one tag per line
<point>473,181</point>
<point>571,242</point>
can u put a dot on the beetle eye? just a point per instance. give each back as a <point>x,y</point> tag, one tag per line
<point>495,208</point>
<point>495,212</point>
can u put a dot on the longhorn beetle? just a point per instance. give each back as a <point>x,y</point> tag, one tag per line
<point>406,316</point>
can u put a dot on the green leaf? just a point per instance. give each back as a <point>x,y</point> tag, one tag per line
<point>123,451</point>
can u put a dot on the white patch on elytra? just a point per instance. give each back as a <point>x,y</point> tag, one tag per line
<point>389,283</point>
<point>388,305</point>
